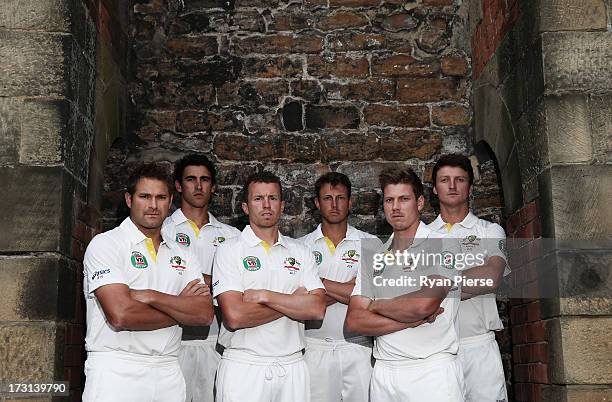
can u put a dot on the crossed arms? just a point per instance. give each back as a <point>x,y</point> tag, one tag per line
<point>384,316</point>
<point>145,310</point>
<point>255,307</point>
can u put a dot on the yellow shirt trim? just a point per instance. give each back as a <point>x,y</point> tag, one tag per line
<point>266,246</point>
<point>449,226</point>
<point>330,245</point>
<point>151,249</point>
<point>195,227</point>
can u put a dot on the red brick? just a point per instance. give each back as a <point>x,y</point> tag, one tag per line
<point>532,372</point>
<point>525,313</point>
<point>79,231</point>
<point>455,66</point>
<point>512,223</point>
<point>524,392</point>
<point>531,353</point>
<point>339,66</point>
<point>399,22</point>
<point>396,116</point>
<point>278,44</point>
<point>192,47</point>
<point>450,115</point>
<point>353,3</point>
<point>354,41</point>
<point>73,355</point>
<point>78,250</point>
<point>417,90</point>
<point>331,116</point>
<point>532,332</point>
<point>74,376</point>
<point>74,335</point>
<point>406,144</point>
<point>349,146</point>
<point>342,20</point>
<point>271,67</point>
<point>404,66</point>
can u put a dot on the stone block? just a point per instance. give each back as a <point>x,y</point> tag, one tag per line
<point>29,352</point>
<point>33,63</point>
<point>450,115</point>
<point>570,15</point>
<point>37,288</point>
<point>33,206</point>
<point>407,144</point>
<point>349,146</point>
<point>396,116</point>
<point>601,126</point>
<point>404,66</point>
<point>43,15</point>
<point>577,61</point>
<point>581,350</point>
<point>367,90</point>
<point>511,183</point>
<point>580,199</point>
<point>343,19</point>
<point>331,116</point>
<point>278,44</point>
<point>354,41</point>
<point>568,129</point>
<point>577,393</point>
<point>10,129</point>
<point>271,67</point>
<point>44,128</point>
<point>415,90</point>
<point>338,66</point>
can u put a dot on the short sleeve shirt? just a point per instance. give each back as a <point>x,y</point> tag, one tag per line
<point>244,263</point>
<point>479,314</point>
<point>426,340</point>
<point>202,242</point>
<point>124,255</point>
<point>340,264</point>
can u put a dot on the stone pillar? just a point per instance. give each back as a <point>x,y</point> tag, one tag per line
<point>543,102</point>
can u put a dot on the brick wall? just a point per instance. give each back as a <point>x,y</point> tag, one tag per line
<point>298,88</point>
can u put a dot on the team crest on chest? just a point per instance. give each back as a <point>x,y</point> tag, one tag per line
<point>292,265</point>
<point>350,257</point>
<point>183,239</point>
<point>471,241</point>
<point>178,263</point>
<point>218,240</point>
<point>138,260</point>
<point>251,263</point>
<point>448,260</point>
<point>318,257</point>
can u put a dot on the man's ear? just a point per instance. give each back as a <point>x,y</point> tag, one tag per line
<point>128,199</point>
<point>213,189</point>
<point>421,202</point>
<point>350,203</point>
<point>434,190</point>
<point>245,208</point>
<point>282,206</point>
<point>177,185</point>
<point>316,202</point>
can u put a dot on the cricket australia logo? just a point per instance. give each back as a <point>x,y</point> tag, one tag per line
<point>448,260</point>
<point>178,263</point>
<point>318,257</point>
<point>183,239</point>
<point>350,257</point>
<point>218,240</point>
<point>292,265</point>
<point>471,241</point>
<point>138,260</point>
<point>251,263</point>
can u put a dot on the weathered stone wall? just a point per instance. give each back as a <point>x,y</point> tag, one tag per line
<point>51,97</point>
<point>299,88</point>
<point>542,85</point>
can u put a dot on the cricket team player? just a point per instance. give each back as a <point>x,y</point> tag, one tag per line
<point>138,287</point>
<point>478,318</point>
<point>415,346</point>
<point>193,227</point>
<point>266,285</point>
<point>339,361</point>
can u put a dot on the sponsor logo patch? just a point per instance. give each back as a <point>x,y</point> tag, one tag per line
<point>100,274</point>
<point>318,257</point>
<point>471,241</point>
<point>183,239</point>
<point>138,260</point>
<point>178,263</point>
<point>350,257</point>
<point>251,263</point>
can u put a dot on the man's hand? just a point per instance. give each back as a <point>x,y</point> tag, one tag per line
<point>196,287</point>
<point>433,317</point>
<point>254,296</point>
<point>301,291</point>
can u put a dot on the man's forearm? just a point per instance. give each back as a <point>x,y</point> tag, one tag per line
<point>369,323</point>
<point>137,316</point>
<point>487,278</point>
<point>406,308</point>
<point>296,306</point>
<point>247,315</point>
<point>187,310</point>
<point>340,291</point>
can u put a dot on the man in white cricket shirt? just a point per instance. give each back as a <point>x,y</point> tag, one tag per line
<point>138,287</point>
<point>339,362</point>
<point>266,285</point>
<point>416,339</point>
<point>193,227</point>
<point>478,318</point>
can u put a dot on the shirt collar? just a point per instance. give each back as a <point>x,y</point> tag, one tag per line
<point>468,222</point>
<point>179,217</point>
<point>422,233</point>
<point>134,234</point>
<point>252,240</point>
<point>351,233</point>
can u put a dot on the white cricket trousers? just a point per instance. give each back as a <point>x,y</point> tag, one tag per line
<point>199,361</point>
<point>120,376</point>
<point>339,370</point>
<point>243,377</point>
<point>482,367</point>
<point>436,379</point>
